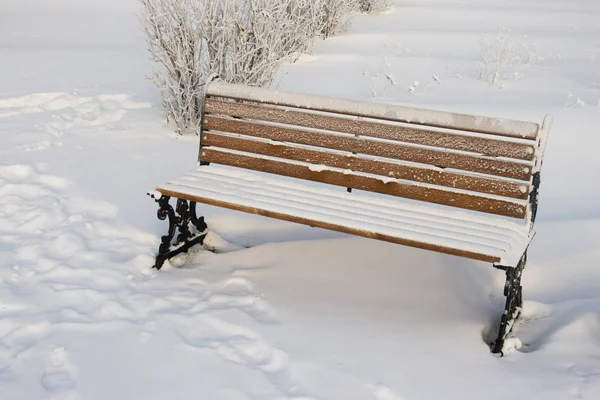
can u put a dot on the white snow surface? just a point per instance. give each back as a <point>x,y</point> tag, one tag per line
<point>282,311</point>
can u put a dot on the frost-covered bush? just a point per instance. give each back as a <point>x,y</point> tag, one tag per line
<point>174,41</point>
<point>334,15</point>
<point>504,56</point>
<point>368,6</point>
<point>241,41</point>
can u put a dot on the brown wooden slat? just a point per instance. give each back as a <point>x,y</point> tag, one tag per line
<point>387,169</point>
<point>491,147</point>
<point>416,192</point>
<point>332,227</point>
<point>388,112</point>
<point>442,159</point>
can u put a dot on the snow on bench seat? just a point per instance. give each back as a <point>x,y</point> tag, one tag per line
<point>445,229</point>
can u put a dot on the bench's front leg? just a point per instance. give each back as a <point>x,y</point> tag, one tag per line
<point>514,303</point>
<point>165,211</point>
<point>179,219</point>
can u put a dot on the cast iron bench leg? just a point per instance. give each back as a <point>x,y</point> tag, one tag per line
<point>514,302</point>
<point>180,218</point>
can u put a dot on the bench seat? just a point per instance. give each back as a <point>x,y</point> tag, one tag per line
<point>474,235</point>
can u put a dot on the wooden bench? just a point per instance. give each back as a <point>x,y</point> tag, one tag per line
<point>452,183</point>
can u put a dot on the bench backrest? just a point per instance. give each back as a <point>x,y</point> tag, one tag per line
<point>471,162</point>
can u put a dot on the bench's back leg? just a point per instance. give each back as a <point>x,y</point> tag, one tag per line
<point>514,303</point>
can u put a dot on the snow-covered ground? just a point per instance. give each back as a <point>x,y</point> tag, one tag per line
<point>302,313</point>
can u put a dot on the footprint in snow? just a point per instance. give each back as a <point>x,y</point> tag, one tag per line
<point>238,292</point>
<point>67,112</point>
<point>60,376</point>
<point>18,339</point>
<point>240,345</point>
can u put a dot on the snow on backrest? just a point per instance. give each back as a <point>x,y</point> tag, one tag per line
<point>460,160</point>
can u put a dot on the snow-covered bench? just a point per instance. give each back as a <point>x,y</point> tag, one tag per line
<point>451,183</point>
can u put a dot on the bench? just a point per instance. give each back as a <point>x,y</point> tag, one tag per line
<point>452,183</point>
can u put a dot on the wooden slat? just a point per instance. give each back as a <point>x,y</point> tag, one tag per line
<point>355,126</point>
<point>389,112</point>
<point>332,227</point>
<point>387,169</point>
<point>416,192</point>
<point>442,159</point>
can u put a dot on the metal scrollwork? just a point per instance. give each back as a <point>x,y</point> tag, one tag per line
<point>183,222</point>
<point>166,211</point>
<point>179,219</point>
<point>198,222</point>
